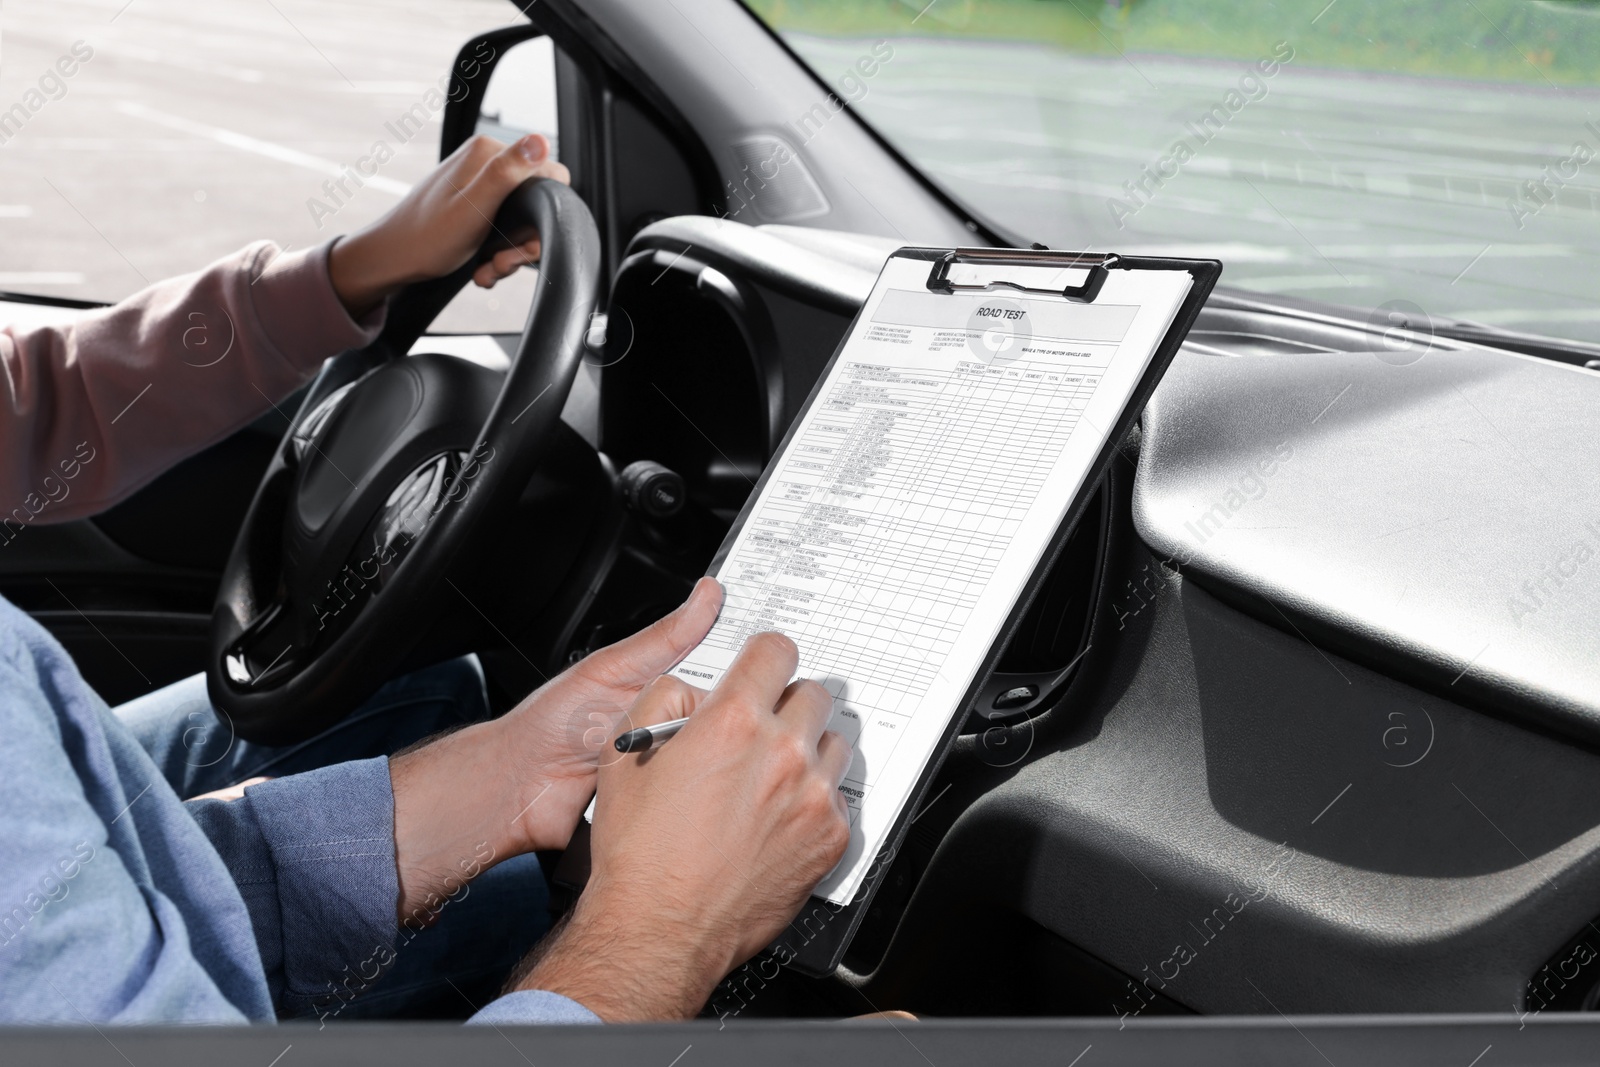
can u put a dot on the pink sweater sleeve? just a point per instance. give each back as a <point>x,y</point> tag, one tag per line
<point>92,411</point>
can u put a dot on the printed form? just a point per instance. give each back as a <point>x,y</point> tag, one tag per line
<point>901,523</point>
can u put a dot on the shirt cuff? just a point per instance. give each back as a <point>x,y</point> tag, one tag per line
<point>313,857</point>
<point>534,1007</point>
<point>300,312</point>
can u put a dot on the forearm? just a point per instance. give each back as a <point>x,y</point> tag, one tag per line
<point>91,411</point>
<point>463,803</point>
<point>618,958</point>
<point>452,819</point>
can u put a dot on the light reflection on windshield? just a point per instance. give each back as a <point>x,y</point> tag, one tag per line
<point>1472,197</point>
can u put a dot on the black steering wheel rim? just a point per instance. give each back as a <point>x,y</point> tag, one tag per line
<point>302,694</point>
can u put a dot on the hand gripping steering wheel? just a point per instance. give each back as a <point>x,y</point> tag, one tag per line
<point>389,474</point>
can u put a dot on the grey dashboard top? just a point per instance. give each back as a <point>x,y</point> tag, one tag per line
<point>1434,503</point>
<point>822,266</point>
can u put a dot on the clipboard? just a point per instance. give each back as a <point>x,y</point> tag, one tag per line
<point>815,942</point>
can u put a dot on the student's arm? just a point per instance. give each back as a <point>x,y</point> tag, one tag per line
<point>90,412</point>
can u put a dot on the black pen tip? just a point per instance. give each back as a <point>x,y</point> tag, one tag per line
<point>633,739</point>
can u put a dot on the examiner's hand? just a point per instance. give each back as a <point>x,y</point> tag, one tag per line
<point>441,222</point>
<point>706,847</point>
<point>562,732</point>
<point>520,782</point>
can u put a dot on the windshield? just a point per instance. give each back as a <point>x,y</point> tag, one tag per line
<point>1434,157</point>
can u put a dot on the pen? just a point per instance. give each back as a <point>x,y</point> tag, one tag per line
<point>642,739</point>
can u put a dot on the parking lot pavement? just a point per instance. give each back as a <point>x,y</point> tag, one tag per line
<point>187,130</point>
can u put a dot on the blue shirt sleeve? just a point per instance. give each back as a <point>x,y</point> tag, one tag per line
<point>91,928</point>
<point>313,856</point>
<point>121,904</point>
<point>533,1007</point>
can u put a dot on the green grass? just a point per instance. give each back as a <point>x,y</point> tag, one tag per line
<point>1530,41</point>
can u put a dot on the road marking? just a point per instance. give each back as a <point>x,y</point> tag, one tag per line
<point>1512,316</point>
<point>255,145</point>
<point>1228,251</point>
<point>1290,223</point>
<point>1290,282</point>
<point>1449,251</point>
<point>16,211</point>
<point>41,277</point>
<point>1248,252</point>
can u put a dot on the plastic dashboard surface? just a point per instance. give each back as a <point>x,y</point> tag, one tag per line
<point>1431,510</point>
<point>1289,721</point>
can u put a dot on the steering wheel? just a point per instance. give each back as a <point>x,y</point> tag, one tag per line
<point>394,469</point>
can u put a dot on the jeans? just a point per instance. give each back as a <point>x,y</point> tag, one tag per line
<point>453,967</point>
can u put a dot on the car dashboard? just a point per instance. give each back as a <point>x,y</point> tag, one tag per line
<point>1310,712</point>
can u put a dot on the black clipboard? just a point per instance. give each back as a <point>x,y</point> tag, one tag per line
<point>815,942</point>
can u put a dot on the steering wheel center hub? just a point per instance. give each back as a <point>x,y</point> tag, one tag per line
<point>342,459</point>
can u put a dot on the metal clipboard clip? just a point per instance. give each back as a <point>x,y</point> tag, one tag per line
<point>1098,264</point>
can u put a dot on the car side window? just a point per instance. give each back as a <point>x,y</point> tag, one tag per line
<point>141,140</point>
<point>520,99</point>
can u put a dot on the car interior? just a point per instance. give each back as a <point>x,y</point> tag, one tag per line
<point>1304,719</point>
